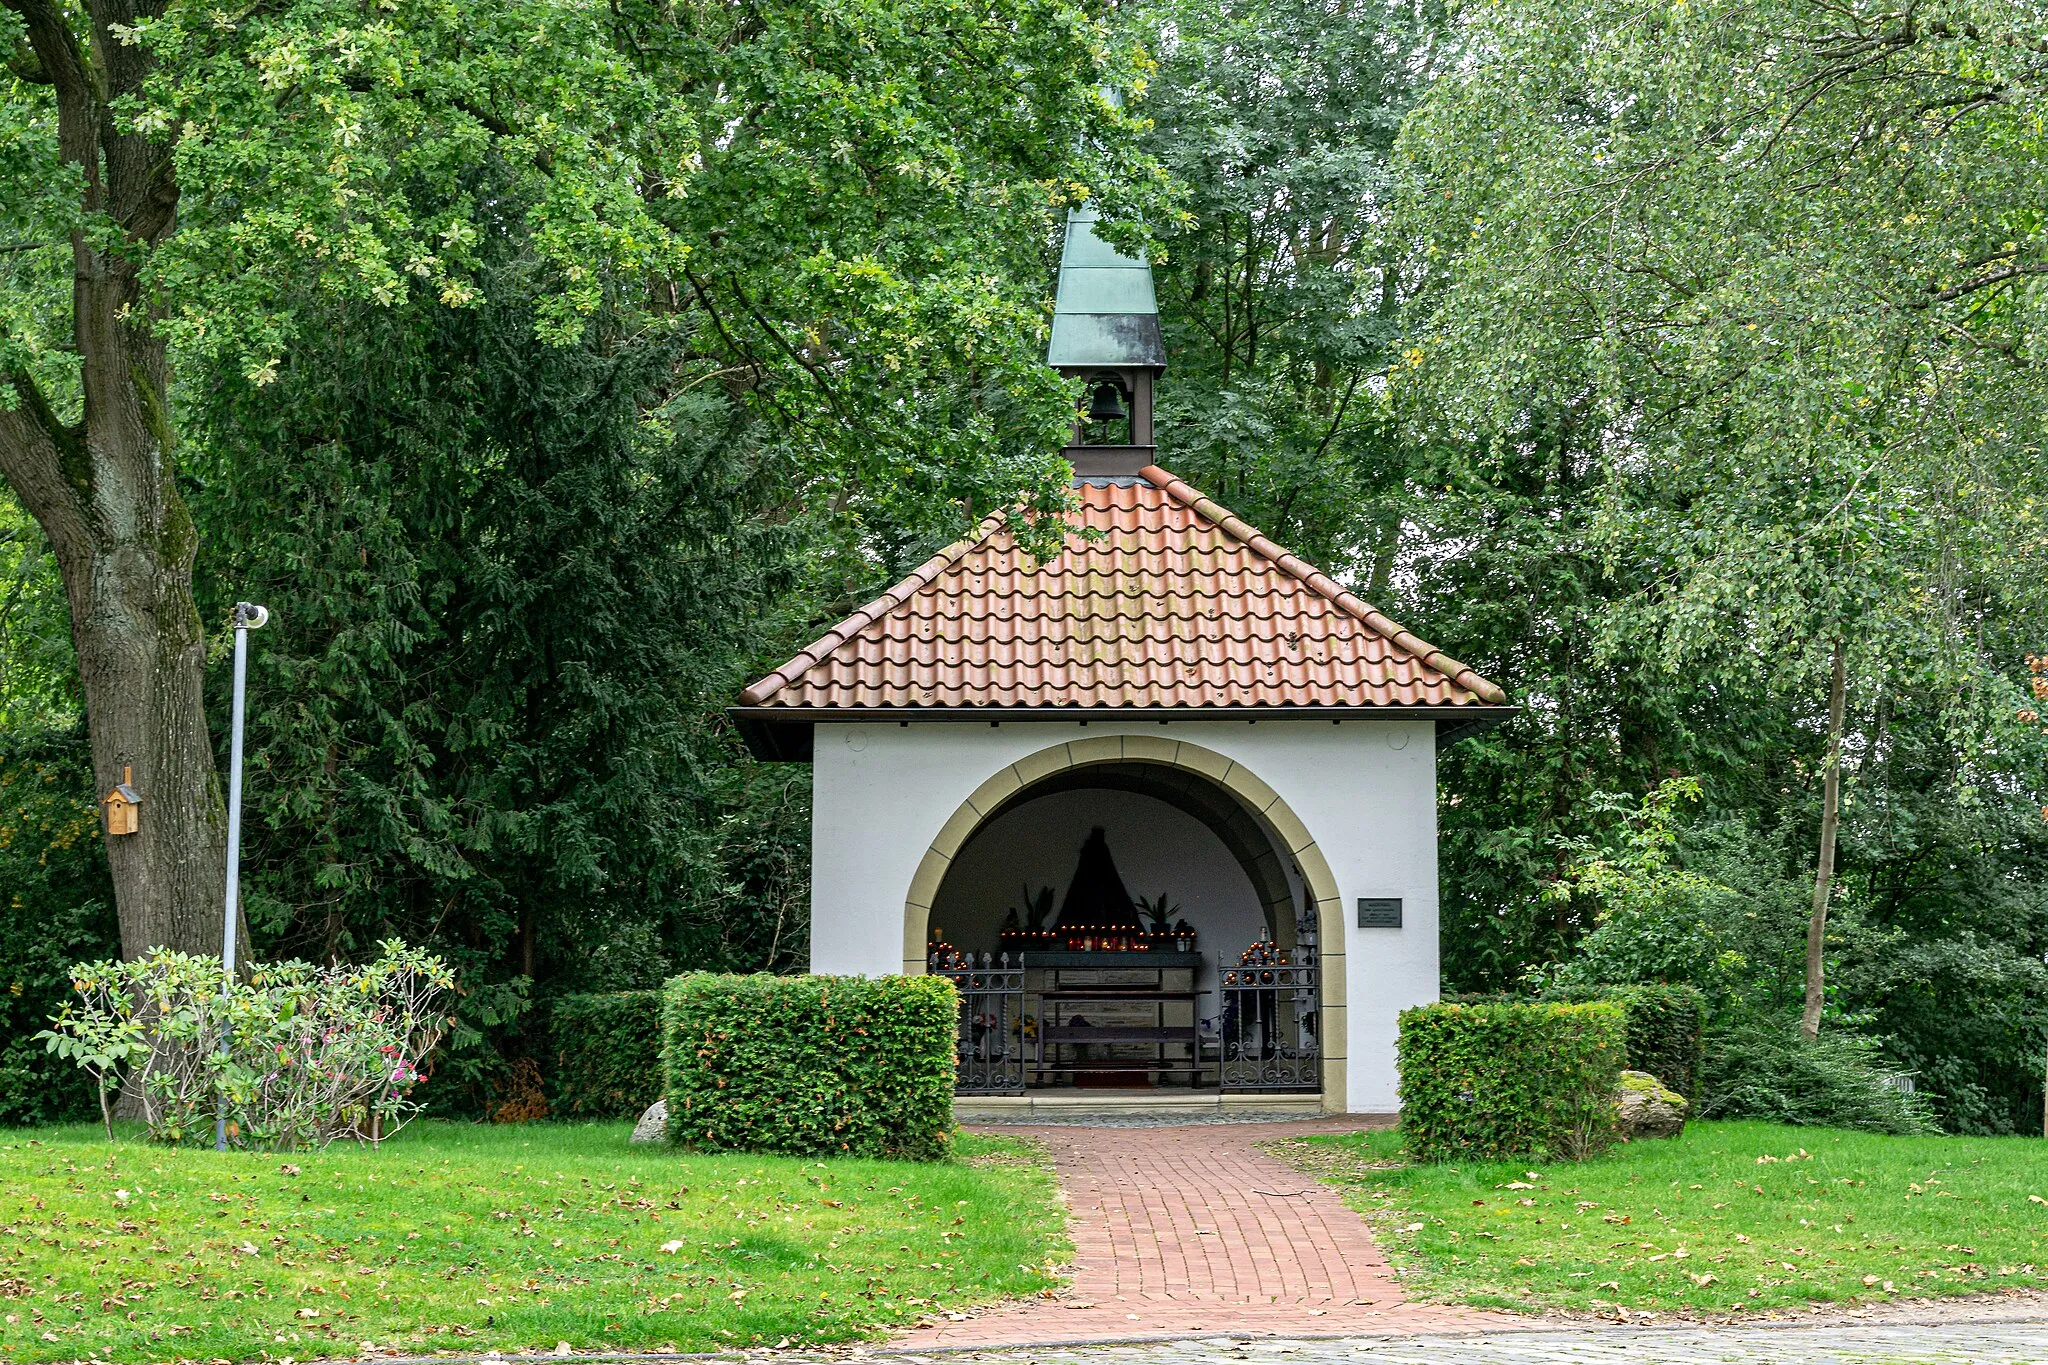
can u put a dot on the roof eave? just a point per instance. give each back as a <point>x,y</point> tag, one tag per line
<point>784,734</point>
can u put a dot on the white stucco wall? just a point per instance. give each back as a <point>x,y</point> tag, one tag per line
<point>1365,790</point>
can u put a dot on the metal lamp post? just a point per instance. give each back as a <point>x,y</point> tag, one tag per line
<point>248,617</point>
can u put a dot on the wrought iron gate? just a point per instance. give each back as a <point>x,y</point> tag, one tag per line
<point>1269,1027</point>
<point>991,1039</point>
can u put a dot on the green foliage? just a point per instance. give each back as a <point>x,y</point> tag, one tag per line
<point>56,908</point>
<point>866,167</point>
<point>1491,1082</point>
<point>1651,912</point>
<point>1160,912</point>
<point>1794,351</point>
<point>1280,286</point>
<point>1038,907</point>
<point>1769,372</point>
<point>1961,1007</point>
<point>36,683</point>
<point>547,371</point>
<point>1930,949</point>
<point>1663,1025</point>
<point>607,1054</point>
<point>505,613</point>
<point>811,1064</point>
<point>1765,1069</point>
<point>292,1058</point>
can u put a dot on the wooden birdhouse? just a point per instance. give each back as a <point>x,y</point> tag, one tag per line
<point>123,805</point>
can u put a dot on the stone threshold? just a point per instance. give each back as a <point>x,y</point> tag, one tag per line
<point>1068,1107</point>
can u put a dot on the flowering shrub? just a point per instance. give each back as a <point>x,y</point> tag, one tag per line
<point>296,1056</point>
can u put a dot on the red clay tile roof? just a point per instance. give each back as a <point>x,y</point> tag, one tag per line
<point>1179,604</point>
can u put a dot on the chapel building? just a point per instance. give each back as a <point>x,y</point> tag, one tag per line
<point>1164,806</point>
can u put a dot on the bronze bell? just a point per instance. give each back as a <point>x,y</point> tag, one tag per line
<point>1106,402</point>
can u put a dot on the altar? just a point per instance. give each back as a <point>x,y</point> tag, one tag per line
<point>1114,1020</point>
<point>1117,993</point>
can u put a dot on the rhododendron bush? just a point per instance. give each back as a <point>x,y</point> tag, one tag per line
<point>294,1056</point>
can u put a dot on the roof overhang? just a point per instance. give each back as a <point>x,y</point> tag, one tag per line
<point>785,733</point>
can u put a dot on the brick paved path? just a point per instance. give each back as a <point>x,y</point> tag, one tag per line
<point>1192,1229</point>
<point>1974,1343</point>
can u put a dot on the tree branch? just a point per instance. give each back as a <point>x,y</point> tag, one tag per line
<point>63,66</point>
<point>1996,277</point>
<point>43,460</point>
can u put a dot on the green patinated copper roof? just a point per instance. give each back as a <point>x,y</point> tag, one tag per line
<point>1106,313</point>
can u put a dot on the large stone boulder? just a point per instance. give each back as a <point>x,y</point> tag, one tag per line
<point>655,1120</point>
<point>1648,1108</point>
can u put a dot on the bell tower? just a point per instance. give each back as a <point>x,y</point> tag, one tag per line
<point>1105,332</point>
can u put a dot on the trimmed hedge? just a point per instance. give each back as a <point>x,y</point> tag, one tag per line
<point>1493,1082</point>
<point>811,1065</point>
<point>1665,1026</point>
<point>607,1055</point>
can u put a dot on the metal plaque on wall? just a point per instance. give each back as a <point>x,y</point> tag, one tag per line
<point>1379,912</point>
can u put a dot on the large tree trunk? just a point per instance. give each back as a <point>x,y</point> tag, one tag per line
<point>1824,874</point>
<point>104,491</point>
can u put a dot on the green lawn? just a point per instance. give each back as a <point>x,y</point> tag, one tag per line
<point>467,1237</point>
<point>1731,1216</point>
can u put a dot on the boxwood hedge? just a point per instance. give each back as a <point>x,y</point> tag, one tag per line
<point>607,1054</point>
<point>1493,1082</point>
<point>811,1065</point>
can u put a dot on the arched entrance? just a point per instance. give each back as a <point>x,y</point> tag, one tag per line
<point>1278,874</point>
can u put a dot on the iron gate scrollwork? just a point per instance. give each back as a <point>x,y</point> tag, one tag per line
<point>1268,1027</point>
<point>990,1043</point>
